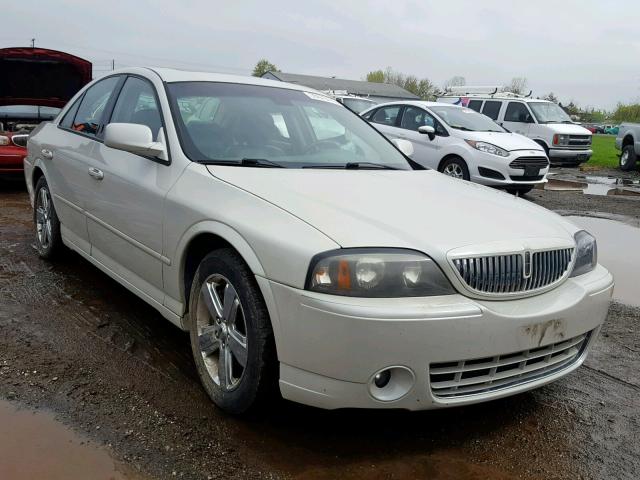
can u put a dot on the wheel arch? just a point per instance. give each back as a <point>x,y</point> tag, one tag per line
<point>450,156</point>
<point>628,140</point>
<point>543,144</point>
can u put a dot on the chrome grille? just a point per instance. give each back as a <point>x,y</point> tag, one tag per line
<point>483,375</point>
<point>523,162</point>
<point>20,140</point>
<point>514,273</point>
<point>579,140</point>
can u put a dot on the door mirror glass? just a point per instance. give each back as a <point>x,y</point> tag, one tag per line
<point>428,130</point>
<point>405,146</point>
<point>132,137</point>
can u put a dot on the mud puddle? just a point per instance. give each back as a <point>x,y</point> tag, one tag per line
<point>618,251</point>
<point>594,185</point>
<point>34,445</point>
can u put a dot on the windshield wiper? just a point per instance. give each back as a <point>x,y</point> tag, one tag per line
<point>245,162</point>
<point>458,127</point>
<point>354,166</point>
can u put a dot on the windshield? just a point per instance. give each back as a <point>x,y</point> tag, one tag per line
<point>547,112</point>
<point>465,119</point>
<point>232,123</point>
<point>358,105</point>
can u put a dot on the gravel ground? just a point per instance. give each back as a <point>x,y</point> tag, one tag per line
<point>74,342</point>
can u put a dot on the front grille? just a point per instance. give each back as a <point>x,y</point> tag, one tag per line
<point>514,273</point>
<point>20,140</point>
<point>522,162</point>
<point>579,140</point>
<point>483,375</point>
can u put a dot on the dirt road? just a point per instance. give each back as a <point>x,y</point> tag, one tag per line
<point>77,344</point>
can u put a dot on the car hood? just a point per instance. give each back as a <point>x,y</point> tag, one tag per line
<point>567,128</point>
<point>417,209</point>
<point>508,141</point>
<point>38,76</point>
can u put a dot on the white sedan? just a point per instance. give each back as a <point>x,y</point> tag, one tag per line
<point>304,252</point>
<point>462,143</point>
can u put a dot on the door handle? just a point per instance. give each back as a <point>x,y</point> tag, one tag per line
<point>96,173</point>
<point>48,154</point>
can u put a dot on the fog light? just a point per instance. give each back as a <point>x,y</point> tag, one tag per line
<point>382,379</point>
<point>391,383</point>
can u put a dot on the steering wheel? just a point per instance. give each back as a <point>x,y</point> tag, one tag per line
<point>320,145</point>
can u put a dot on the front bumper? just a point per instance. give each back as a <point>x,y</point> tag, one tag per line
<point>486,164</point>
<point>331,347</point>
<point>558,155</point>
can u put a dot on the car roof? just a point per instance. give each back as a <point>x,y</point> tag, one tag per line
<point>415,103</point>
<point>171,75</point>
<point>497,97</point>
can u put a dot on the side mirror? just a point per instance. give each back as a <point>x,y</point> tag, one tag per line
<point>134,138</point>
<point>405,146</point>
<point>428,130</point>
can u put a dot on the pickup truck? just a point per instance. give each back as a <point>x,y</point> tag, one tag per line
<point>628,142</point>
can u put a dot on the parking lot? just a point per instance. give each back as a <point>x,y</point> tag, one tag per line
<point>75,343</point>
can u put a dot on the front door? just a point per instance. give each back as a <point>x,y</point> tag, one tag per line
<point>518,118</point>
<point>427,152</point>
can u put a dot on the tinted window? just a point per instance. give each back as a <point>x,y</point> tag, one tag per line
<point>137,104</point>
<point>491,109</point>
<point>89,115</point>
<point>475,105</point>
<point>386,115</point>
<point>292,128</point>
<point>67,120</point>
<point>517,112</point>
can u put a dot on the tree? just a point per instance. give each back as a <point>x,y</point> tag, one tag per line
<point>456,81</point>
<point>550,97</point>
<point>427,90</point>
<point>423,88</point>
<point>518,85</point>
<point>376,76</point>
<point>264,66</point>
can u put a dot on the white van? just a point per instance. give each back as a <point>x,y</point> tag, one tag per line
<point>544,122</point>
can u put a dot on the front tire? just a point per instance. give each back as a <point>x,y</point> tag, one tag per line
<point>628,158</point>
<point>48,238</point>
<point>231,336</point>
<point>519,191</point>
<point>455,167</point>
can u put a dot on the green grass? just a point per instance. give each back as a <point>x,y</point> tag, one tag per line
<point>604,151</point>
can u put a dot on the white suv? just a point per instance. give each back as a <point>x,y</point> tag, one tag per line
<point>462,143</point>
<point>544,122</point>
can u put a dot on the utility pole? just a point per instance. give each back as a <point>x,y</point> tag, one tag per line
<point>33,43</point>
<point>113,64</point>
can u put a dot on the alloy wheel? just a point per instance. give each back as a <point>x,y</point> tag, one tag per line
<point>453,170</point>
<point>222,332</point>
<point>624,158</point>
<point>43,218</point>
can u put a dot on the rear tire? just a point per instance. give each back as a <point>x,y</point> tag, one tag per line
<point>628,158</point>
<point>48,239</point>
<point>229,326</point>
<point>455,167</point>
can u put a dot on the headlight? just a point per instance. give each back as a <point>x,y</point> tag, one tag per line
<point>488,148</point>
<point>4,140</point>
<point>561,139</point>
<point>586,253</point>
<point>374,272</point>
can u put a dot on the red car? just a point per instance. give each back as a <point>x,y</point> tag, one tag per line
<point>35,84</point>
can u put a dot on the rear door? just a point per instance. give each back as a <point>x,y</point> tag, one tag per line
<point>68,148</point>
<point>126,206</point>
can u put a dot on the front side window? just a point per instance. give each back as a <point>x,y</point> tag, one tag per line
<point>492,109</point>
<point>290,128</point>
<point>89,115</point>
<point>137,104</point>
<point>466,119</point>
<point>547,112</point>
<point>517,112</point>
<point>386,115</point>
<point>415,117</point>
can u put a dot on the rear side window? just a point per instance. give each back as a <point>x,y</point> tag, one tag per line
<point>386,115</point>
<point>137,104</point>
<point>491,109</point>
<point>475,105</point>
<point>94,102</point>
<point>517,112</point>
<point>67,120</point>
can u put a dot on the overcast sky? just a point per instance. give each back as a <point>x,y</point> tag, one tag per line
<point>582,50</point>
